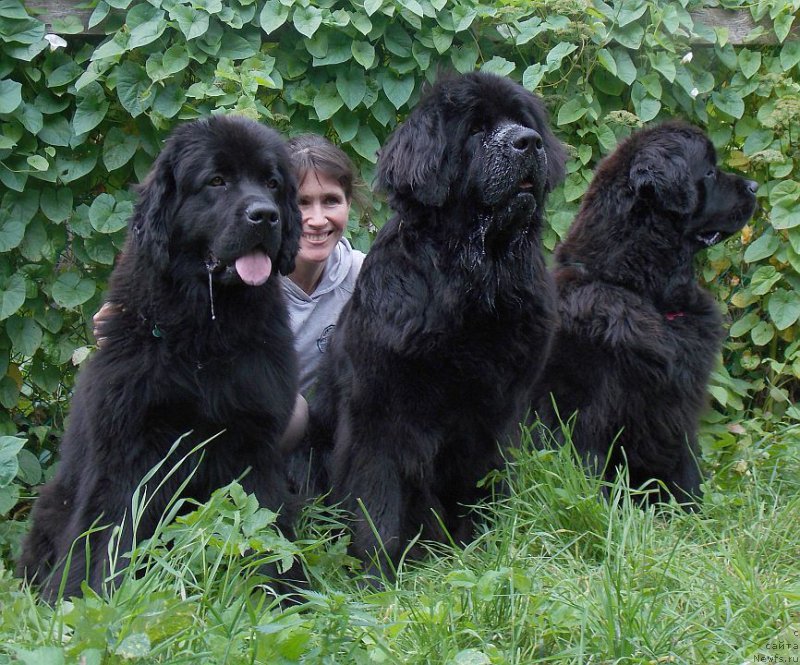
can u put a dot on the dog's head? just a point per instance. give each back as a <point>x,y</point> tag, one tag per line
<point>220,199</point>
<point>673,168</point>
<point>473,140</point>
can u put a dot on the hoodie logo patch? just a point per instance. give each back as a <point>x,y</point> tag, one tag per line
<point>325,338</point>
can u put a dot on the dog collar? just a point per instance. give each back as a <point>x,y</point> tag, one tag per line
<point>671,316</point>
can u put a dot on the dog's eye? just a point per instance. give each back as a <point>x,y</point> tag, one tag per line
<point>273,183</point>
<point>711,174</point>
<point>217,181</point>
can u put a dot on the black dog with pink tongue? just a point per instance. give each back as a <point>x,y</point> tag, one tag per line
<point>199,350</point>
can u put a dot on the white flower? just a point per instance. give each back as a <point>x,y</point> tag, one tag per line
<point>685,60</point>
<point>694,93</point>
<point>55,41</point>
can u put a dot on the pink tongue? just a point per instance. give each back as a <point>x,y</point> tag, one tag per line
<point>254,268</point>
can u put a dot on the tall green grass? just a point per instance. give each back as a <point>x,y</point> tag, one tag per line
<point>563,570</point>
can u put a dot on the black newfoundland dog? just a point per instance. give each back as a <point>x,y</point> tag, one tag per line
<point>451,317</point>
<point>638,336</point>
<point>201,343</point>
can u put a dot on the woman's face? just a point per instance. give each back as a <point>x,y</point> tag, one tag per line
<point>324,209</point>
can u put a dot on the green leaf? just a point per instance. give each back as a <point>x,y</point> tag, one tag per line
<point>574,186</point>
<point>71,167</point>
<point>529,29</point>
<point>327,101</point>
<point>56,131</point>
<point>13,9</point>
<point>12,231</point>
<point>629,36</point>
<point>71,289</point>
<point>366,144</point>
<point>532,76</point>
<point>783,25</point>
<point>119,148</point>
<point>760,139</point>
<point>25,335</point>
<point>785,193</point>
<point>572,110</point>
<point>134,88</point>
<point>728,101</point>
<point>784,308</point>
<point>606,59</point>
<point>397,41</point>
<point>9,397</point>
<point>763,280</point>
<point>351,85</point>
<point>307,20</point>
<point>30,470</point>
<point>192,24</point>
<point>273,16</point>
<point>146,24</point>
<point>371,6</point>
<point>499,66</point>
<point>134,646</point>
<point>442,40</point>
<point>56,203</point>
<point>397,90</point>
<point>364,54</point>
<point>762,248</point>
<point>9,497</point>
<point>630,11</point>
<point>605,137</point>
<point>626,70</point>
<point>749,62</point>
<point>236,47</point>
<point>38,163</point>
<point>12,296</point>
<point>115,46</point>
<point>463,17</point>
<point>464,57</point>
<point>10,95</point>
<point>744,325</point>
<point>413,6</point>
<point>557,54</point>
<point>68,25</point>
<point>90,109</point>
<point>646,107</point>
<point>9,449</point>
<point>762,334</point>
<point>346,126</point>
<point>785,218</point>
<point>161,66</point>
<point>107,215</point>
<point>790,55</point>
<point>169,100</point>
<point>663,63</point>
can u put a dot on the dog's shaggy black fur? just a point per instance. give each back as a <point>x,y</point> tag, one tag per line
<point>201,342</point>
<point>638,336</point>
<point>451,317</point>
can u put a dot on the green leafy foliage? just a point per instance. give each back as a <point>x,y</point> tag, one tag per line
<point>79,123</point>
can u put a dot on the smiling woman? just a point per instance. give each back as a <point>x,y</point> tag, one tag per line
<point>326,265</point>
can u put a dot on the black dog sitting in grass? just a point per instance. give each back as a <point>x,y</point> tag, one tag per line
<point>200,343</point>
<point>638,335</point>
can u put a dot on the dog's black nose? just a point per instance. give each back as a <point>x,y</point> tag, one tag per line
<point>528,140</point>
<point>752,185</point>
<point>259,213</point>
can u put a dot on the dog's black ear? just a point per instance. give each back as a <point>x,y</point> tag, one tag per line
<point>154,208</point>
<point>414,162</point>
<point>660,173</point>
<point>291,227</point>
